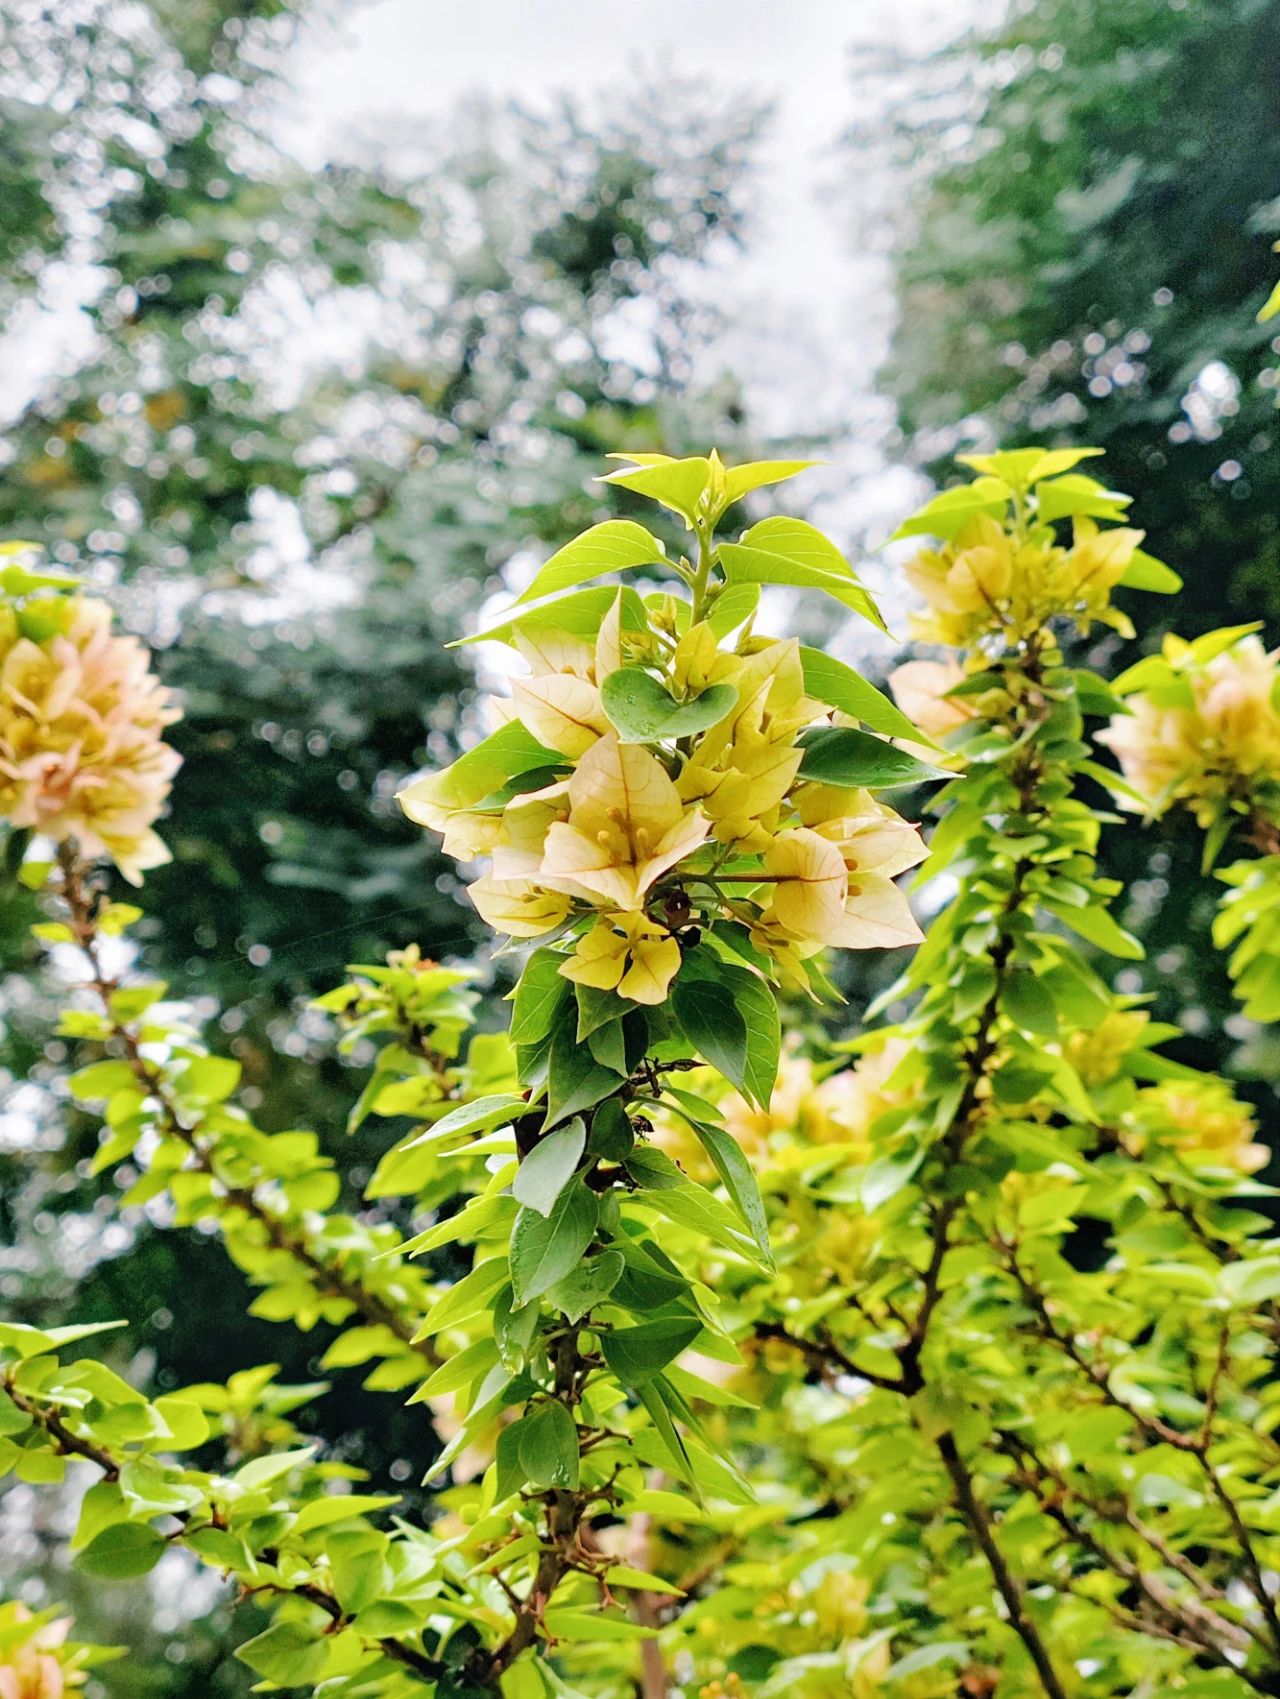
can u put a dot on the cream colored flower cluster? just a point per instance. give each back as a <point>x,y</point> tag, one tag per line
<point>648,840</point>
<point>82,720</point>
<point>1203,727</point>
<point>34,1662</point>
<point>994,579</point>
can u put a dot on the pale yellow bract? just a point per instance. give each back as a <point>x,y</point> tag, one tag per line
<point>626,827</point>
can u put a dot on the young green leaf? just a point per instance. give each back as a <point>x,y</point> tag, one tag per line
<point>588,1285</point>
<point>837,685</point>
<point>546,1171</point>
<point>757,474</point>
<point>549,1452</point>
<point>578,613</point>
<point>612,546</point>
<point>1145,572</point>
<point>677,484</point>
<point>545,1248</point>
<point>842,755</point>
<point>482,1116</point>
<point>502,755</point>
<point>745,563</point>
<point>122,1552</point>
<point>644,711</point>
<point>635,1353</point>
<point>951,510</point>
<point>287,1653</point>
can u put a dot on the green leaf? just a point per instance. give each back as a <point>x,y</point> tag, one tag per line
<point>635,1353</point>
<point>738,1180</point>
<point>99,1080</point>
<point>549,1452</point>
<point>467,1298</point>
<point>622,1575</point>
<point>588,1285</point>
<point>503,755</point>
<point>575,1080</point>
<point>756,474</point>
<point>693,1207</point>
<point>612,1135</point>
<point>612,546</point>
<point>545,1248</point>
<point>1025,466</point>
<point>951,510</point>
<point>482,1116</point>
<point>747,564</point>
<point>1100,929</point>
<point>208,1081</point>
<point>288,1653</point>
<point>1095,695</point>
<point>677,484</point>
<point>508,1469</point>
<point>842,755</point>
<point>837,685</point>
<point>122,1552</point>
<point>643,711</point>
<point>650,1389</point>
<point>713,1024</point>
<point>1077,496</point>
<point>580,614</point>
<point>261,1471</point>
<point>101,1507</point>
<point>797,541</point>
<point>27,1341</point>
<point>608,1045</point>
<point>587,1626</point>
<point>339,1507</point>
<point>732,607</point>
<point>1145,572</point>
<point>887,1175</point>
<point>598,1008</point>
<point>541,991</point>
<point>1250,1282</point>
<point>1028,1004</point>
<point>547,1169</point>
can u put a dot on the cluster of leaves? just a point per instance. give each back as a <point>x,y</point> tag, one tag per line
<point>1016,1345</point>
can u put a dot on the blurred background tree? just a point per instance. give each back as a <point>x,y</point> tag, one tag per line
<point>1091,192</point>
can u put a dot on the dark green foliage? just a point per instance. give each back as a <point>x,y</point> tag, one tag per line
<point>1082,261</point>
<point>1098,238</point>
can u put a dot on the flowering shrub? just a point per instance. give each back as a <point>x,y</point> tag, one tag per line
<point>675,791</point>
<point>943,1370</point>
<point>1201,732</point>
<point>81,724</point>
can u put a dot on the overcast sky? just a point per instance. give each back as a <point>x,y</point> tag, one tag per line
<point>807,313</point>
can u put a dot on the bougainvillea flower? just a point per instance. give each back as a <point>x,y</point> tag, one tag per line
<point>82,751</point>
<point>628,953</point>
<point>626,827</point>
